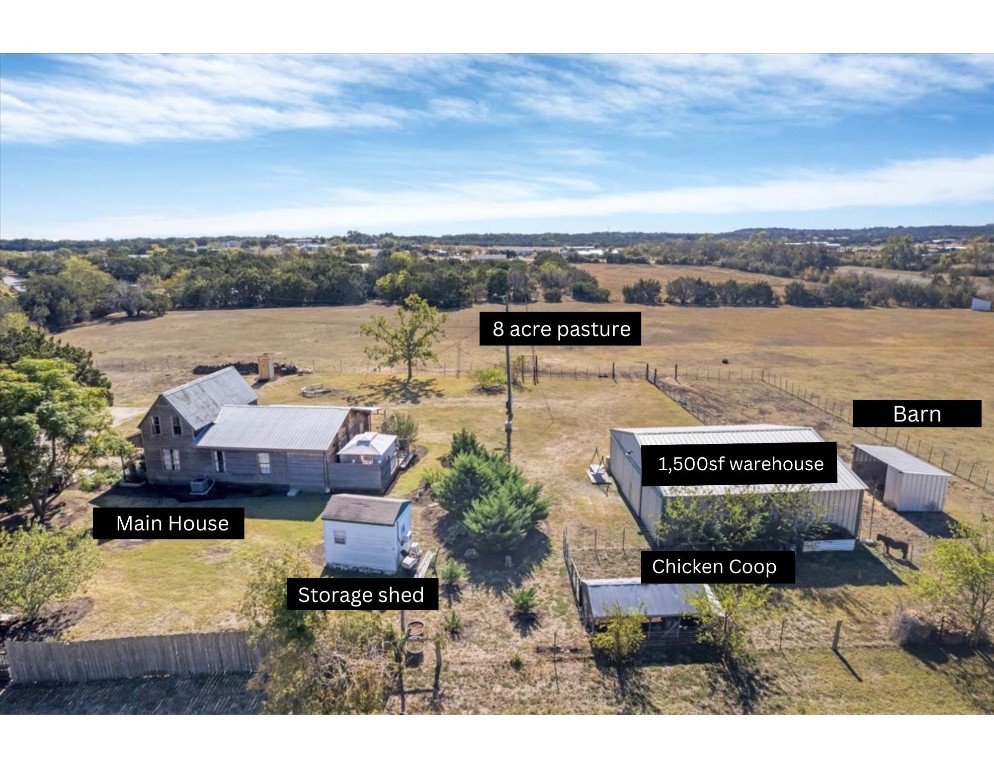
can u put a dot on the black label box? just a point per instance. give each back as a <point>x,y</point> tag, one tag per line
<point>748,567</point>
<point>917,413</point>
<point>168,522</point>
<point>566,329</point>
<point>740,464</point>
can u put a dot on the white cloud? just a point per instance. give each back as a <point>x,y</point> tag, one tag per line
<point>139,98</point>
<point>904,184</point>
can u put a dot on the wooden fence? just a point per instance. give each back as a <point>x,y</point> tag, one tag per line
<point>70,662</point>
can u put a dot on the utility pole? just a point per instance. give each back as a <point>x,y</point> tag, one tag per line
<point>510,397</point>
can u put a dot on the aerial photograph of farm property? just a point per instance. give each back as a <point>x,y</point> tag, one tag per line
<point>479,385</point>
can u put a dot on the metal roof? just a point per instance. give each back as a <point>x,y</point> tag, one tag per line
<point>274,427</point>
<point>632,595</point>
<point>200,400</point>
<point>354,508</point>
<point>901,460</point>
<point>847,480</point>
<point>368,444</point>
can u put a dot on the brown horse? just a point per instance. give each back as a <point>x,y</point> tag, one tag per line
<point>888,542</point>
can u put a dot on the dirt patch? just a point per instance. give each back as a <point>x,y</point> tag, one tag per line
<point>54,620</point>
<point>218,553</point>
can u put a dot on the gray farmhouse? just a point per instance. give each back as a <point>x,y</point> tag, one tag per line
<point>213,427</point>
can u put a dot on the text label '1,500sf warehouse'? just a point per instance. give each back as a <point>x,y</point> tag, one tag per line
<point>739,464</point>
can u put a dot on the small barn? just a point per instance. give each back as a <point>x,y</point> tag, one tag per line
<point>841,502</point>
<point>368,532</point>
<point>668,615</point>
<point>980,305</point>
<point>903,481</point>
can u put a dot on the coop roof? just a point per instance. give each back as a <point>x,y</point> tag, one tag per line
<point>274,427</point>
<point>355,508</point>
<point>901,460</point>
<point>635,438</point>
<point>655,600</point>
<point>200,400</point>
<point>368,444</point>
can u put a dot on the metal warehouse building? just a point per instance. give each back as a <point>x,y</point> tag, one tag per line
<point>907,483</point>
<point>842,501</point>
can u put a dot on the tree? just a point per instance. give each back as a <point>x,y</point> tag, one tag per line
<point>411,339</point>
<point>622,636</point>
<point>958,578</point>
<point>50,428</point>
<point>470,477</point>
<point>784,516</point>
<point>465,441</point>
<point>315,662</point>
<point>642,291</point>
<point>38,565</point>
<point>726,614</point>
<point>18,341</point>
<point>496,524</point>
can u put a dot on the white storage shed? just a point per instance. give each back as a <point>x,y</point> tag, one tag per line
<point>905,482</point>
<point>842,501</point>
<point>366,532</point>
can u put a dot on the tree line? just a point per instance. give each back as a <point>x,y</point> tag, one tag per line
<point>62,288</point>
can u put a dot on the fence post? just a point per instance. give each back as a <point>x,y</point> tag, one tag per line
<point>838,633</point>
<point>655,372</point>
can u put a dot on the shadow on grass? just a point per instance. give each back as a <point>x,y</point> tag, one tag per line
<point>55,618</point>
<point>936,524</point>
<point>634,692</point>
<point>489,571</point>
<point>396,390</point>
<point>848,666</point>
<point>838,569</point>
<point>970,671</point>
<point>525,623</point>
<point>741,683</point>
<point>258,503</point>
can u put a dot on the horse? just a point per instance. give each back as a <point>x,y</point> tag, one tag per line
<point>888,542</point>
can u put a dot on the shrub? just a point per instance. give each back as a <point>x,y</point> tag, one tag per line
<point>643,291</point>
<point>452,623</point>
<point>524,600</point>
<point>622,636</point>
<point>465,441</point>
<point>403,426</point>
<point>553,294</point>
<point>490,380</point>
<point>517,664</point>
<point>103,477</point>
<point>470,477</point>
<point>432,477</point>
<point>451,572</point>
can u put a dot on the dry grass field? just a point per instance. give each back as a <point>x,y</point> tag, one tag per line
<point>496,665</point>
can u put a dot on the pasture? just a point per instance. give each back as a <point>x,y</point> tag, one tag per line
<point>175,586</point>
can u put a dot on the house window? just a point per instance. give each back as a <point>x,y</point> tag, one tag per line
<point>156,426</point>
<point>263,463</point>
<point>170,459</point>
<point>177,427</point>
<point>219,461</point>
<point>339,537</point>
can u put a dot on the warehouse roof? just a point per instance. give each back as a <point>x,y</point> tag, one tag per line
<point>847,480</point>
<point>901,460</point>
<point>655,600</point>
<point>274,427</point>
<point>354,508</point>
<point>200,400</point>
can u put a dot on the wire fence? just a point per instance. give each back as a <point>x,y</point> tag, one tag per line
<point>974,472</point>
<point>965,469</point>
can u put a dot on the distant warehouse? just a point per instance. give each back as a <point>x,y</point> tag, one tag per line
<point>903,481</point>
<point>841,502</point>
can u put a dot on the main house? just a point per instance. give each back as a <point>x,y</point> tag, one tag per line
<point>213,427</point>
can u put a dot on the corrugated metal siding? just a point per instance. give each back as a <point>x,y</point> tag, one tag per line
<point>598,596</point>
<point>275,427</point>
<point>361,477</point>
<point>895,457</point>
<point>915,492</point>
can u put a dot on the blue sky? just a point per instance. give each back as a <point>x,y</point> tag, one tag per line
<point>96,146</point>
